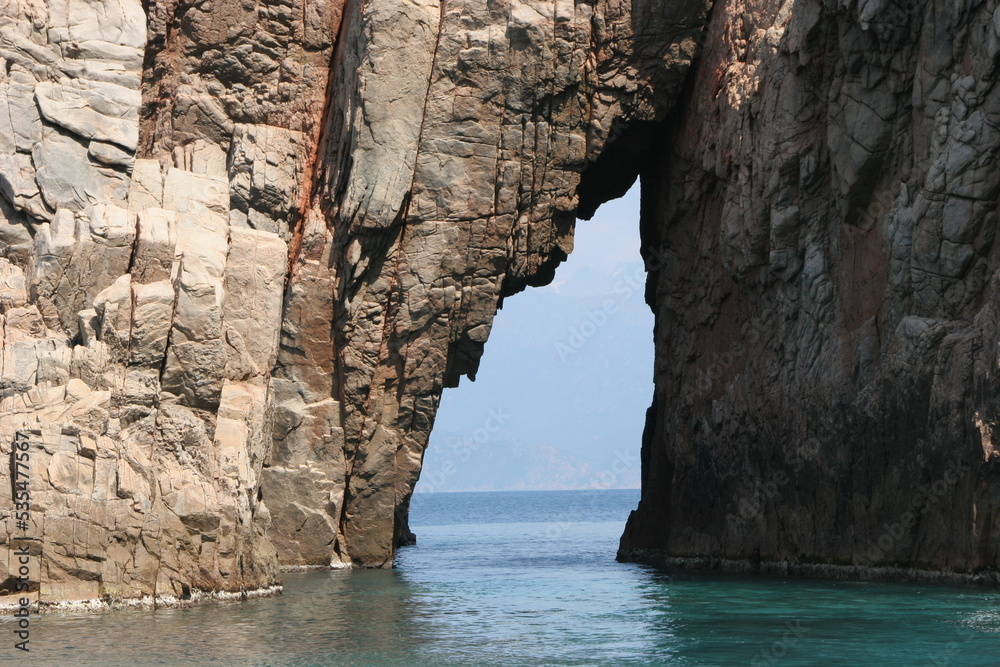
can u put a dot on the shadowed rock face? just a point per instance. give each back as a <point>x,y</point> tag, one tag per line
<point>246,246</point>
<point>820,220</point>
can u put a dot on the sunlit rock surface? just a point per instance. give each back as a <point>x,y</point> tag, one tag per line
<point>246,246</point>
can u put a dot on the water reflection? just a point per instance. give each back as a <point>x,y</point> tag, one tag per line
<point>734,620</point>
<point>363,617</point>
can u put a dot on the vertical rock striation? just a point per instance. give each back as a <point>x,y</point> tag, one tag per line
<point>821,220</point>
<point>150,176</point>
<point>245,246</point>
<point>446,180</point>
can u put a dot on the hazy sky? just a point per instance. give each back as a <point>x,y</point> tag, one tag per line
<point>561,394</point>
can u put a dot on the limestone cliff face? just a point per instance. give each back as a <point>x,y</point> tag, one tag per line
<point>820,220</point>
<point>246,245</point>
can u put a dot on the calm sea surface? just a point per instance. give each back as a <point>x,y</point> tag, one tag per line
<point>530,578</point>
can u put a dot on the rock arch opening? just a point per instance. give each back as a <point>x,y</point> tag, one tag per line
<point>561,392</point>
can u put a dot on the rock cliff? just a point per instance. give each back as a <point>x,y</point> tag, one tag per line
<point>245,246</point>
<point>820,219</point>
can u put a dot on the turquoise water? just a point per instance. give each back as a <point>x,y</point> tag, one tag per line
<point>530,579</point>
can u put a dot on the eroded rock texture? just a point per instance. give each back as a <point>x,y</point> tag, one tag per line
<point>450,172</point>
<point>139,324</point>
<point>821,218</point>
<point>246,245</point>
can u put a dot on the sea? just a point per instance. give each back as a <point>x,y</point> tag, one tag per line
<point>530,578</point>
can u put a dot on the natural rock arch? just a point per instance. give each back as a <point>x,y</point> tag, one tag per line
<point>245,249</point>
